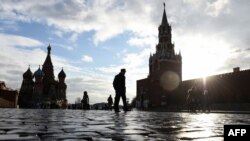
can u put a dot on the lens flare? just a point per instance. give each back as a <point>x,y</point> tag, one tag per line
<point>169,80</point>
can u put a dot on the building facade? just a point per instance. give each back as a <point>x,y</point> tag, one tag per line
<point>228,88</point>
<point>8,97</point>
<point>41,90</point>
<point>164,85</point>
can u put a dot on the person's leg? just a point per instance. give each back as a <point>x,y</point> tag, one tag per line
<point>124,102</point>
<point>117,99</point>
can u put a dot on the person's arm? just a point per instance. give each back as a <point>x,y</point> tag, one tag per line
<point>115,82</point>
<point>124,81</point>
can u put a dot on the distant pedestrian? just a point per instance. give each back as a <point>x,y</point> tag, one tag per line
<point>198,98</point>
<point>190,100</point>
<point>120,90</point>
<point>206,101</point>
<point>85,101</point>
<point>110,102</point>
<point>64,104</point>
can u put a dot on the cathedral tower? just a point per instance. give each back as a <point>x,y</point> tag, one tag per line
<point>49,79</point>
<point>25,94</point>
<point>48,68</point>
<point>61,88</point>
<point>38,87</point>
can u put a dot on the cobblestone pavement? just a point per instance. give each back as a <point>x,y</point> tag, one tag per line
<point>26,124</point>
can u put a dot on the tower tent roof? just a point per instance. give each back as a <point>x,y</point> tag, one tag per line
<point>164,17</point>
<point>48,61</point>
<point>48,67</point>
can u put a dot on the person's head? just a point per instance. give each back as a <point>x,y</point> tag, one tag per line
<point>123,71</point>
<point>85,92</point>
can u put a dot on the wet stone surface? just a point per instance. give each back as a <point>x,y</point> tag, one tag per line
<point>27,124</point>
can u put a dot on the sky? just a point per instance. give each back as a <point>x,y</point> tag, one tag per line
<point>93,39</point>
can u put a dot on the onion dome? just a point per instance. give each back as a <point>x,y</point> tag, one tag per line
<point>39,73</point>
<point>28,74</point>
<point>49,49</point>
<point>61,74</point>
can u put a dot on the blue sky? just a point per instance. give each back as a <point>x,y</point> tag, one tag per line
<point>93,39</point>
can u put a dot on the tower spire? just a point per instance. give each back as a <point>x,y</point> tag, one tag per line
<point>165,48</point>
<point>164,16</point>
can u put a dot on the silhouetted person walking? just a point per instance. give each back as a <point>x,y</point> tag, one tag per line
<point>110,102</point>
<point>85,101</point>
<point>206,101</point>
<point>120,90</point>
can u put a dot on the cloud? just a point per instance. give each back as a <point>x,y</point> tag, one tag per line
<point>73,37</point>
<point>15,40</point>
<point>217,7</point>
<point>212,8</point>
<point>86,58</point>
<point>68,47</point>
<point>142,41</point>
<point>121,53</point>
<point>58,33</point>
<point>83,16</point>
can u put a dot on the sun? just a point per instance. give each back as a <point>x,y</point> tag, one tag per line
<point>203,56</point>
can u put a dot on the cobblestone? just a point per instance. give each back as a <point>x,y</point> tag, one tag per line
<point>28,124</point>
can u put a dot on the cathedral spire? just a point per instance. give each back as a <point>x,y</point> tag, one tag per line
<point>48,67</point>
<point>48,61</point>
<point>164,17</point>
